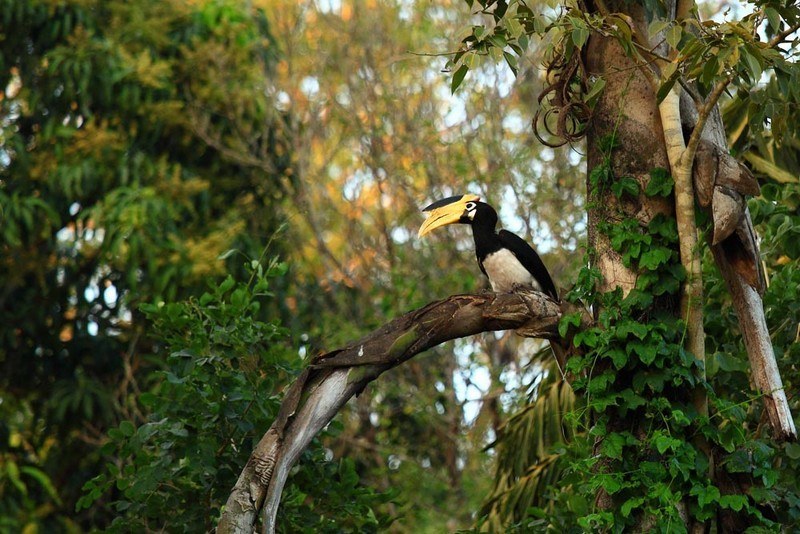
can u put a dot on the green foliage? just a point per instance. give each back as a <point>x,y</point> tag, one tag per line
<point>530,453</point>
<point>137,142</point>
<point>208,413</point>
<point>634,362</point>
<point>708,53</point>
<point>636,381</point>
<point>774,467</point>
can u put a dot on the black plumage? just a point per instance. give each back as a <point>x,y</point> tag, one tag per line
<point>505,258</point>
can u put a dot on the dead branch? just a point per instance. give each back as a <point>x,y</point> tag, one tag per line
<point>331,379</point>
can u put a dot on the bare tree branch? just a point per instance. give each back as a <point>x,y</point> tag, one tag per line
<point>332,379</point>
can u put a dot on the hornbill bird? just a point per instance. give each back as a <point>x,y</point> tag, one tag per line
<point>505,258</point>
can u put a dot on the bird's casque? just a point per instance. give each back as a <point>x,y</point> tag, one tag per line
<point>505,258</point>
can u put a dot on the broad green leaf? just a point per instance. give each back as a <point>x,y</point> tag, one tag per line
<point>595,91</point>
<point>664,443</point>
<point>656,27</point>
<point>612,445</point>
<point>515,29</point>
<point>653,258</point>
<point>618,357</point>
<point>609,483</point>
<point>567,320</point>
<point>580,36</point>
<point>630,504</point>
<point>660,184</point>
<point>511,60</point>
<point>498,40</point>
<point>665,88</point>
<point>752,61</point>
<point>627,327</point>
<point>625,185</point>
<point>773,17</point>
<point>734,502</point>
<point>673,36</point>
<point>645,351</point>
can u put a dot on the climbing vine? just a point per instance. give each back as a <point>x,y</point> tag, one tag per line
<point>649,442</point>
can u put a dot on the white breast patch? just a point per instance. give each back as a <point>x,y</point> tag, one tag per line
<point>505,271</point>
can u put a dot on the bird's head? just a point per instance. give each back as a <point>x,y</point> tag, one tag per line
<point>463,209</point>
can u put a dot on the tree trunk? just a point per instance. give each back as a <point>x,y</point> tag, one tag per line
<point>628,112</point>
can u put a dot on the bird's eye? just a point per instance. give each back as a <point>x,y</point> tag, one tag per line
<point>470,206</point>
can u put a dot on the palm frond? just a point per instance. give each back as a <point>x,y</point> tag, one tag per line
<point>527,463</point>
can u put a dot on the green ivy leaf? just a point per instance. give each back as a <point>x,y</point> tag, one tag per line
<point>626,184</point>
<point>664,443</point>
<point>587,338</point>
<point>628,327</point>
<point>655,257</point>
<point>631,399</point>
<point>618,357</point>
<point>609,483</point>
<point>599,384</point>
<point>660,184</point>
<point>612,445</point>
<point>734,502</point>
<point>630,504</point>
<point>706,494</point>
<point>645,351</point>
<point>567,320</point>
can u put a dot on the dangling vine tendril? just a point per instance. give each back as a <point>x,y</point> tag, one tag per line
<point>560,103</point>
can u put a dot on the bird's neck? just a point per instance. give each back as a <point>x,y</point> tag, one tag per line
<point>485,240</point>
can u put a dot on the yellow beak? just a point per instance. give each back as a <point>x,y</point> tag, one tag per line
<point>441,215</point>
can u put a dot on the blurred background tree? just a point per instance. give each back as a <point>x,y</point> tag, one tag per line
<point>141,143</point>
<point>122,180</point>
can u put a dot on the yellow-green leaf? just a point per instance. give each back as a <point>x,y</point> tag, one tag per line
<point>769,168</point>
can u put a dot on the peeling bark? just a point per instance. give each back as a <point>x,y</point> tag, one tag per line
<point>714,166</point>
<point>333,378</point>
<point>763,366</point>
<point>736,253</point>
